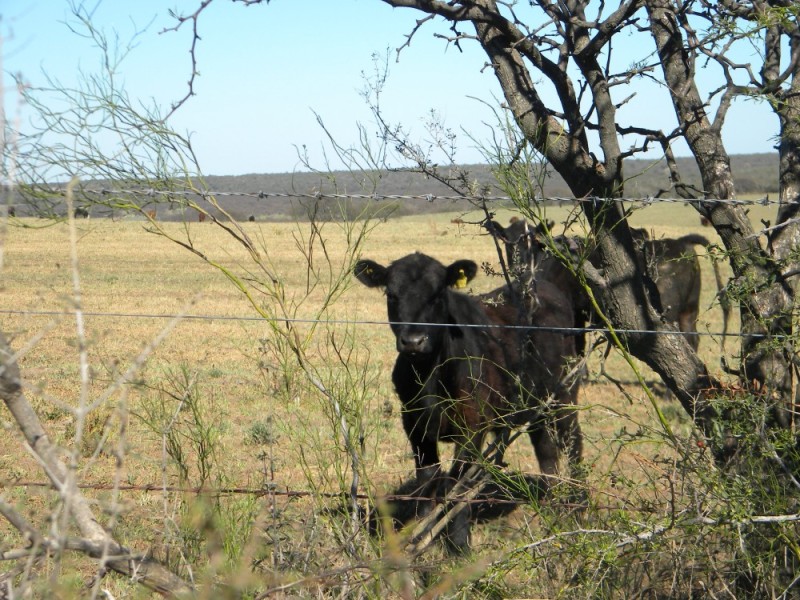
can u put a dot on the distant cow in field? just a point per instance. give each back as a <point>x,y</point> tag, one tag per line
<point>201,216</point>
<point>672,264</point>
<point>81,212</point>
<point>459,223</point>
<point>459,374</point>
<point>251,218</point>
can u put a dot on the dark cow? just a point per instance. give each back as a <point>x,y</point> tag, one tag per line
<point>672,264</point>
<point>527,252</point>
<point>459,375</point>
<point>675,267</point>
<point>81,212</point>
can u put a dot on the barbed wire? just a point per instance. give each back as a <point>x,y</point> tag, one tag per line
<point>430,197</point>
<point>268,490</point>
<point>310,321</point>
<point>272,489</point>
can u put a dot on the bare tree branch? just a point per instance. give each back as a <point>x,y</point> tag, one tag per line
<point>96,542</point>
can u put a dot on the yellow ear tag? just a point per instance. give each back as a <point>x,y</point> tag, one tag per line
<point>461,282</point>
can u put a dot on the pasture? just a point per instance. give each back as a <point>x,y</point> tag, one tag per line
<point>246,418</point>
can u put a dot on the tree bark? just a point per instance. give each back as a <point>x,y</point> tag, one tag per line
<point>784,242</point>
<point>765,302</point>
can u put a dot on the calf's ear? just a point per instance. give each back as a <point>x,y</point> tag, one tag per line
<point>496,230</point>
<point>461,272</point>
<point>370,273</point>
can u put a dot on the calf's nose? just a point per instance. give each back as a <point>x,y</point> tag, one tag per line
<point>411,342</point>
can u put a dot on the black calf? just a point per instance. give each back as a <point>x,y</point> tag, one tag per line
<point>459,373</point>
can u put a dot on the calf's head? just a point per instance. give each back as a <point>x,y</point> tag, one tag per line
<point>523,243</point>
<point>417,293</point>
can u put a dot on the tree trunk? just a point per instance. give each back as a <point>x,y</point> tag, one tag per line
<point>763,300</point>
<point>624,298</point>
<point>785,240</point>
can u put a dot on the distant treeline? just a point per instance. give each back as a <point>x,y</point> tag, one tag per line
<point>753,173</point>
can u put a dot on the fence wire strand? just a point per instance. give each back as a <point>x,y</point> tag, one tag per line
<point>310,321</point>
<point>430,197</point>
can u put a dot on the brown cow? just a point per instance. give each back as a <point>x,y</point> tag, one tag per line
<point>675,267</point>
<point>672,263</point>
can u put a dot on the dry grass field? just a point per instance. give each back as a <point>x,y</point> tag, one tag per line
<point>222,385</point>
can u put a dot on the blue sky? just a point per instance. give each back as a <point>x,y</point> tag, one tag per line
<point>265,70</point>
